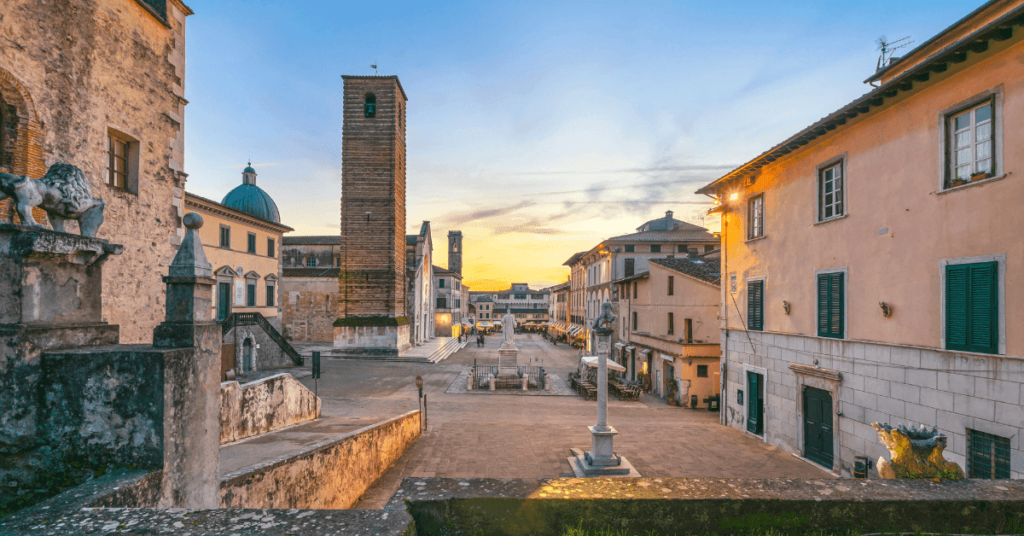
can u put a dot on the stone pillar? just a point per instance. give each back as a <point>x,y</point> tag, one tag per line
<point>191,477</point>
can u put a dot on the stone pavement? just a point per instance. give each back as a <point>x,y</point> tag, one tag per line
<point>509,436</point>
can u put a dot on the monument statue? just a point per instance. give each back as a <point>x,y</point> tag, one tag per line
<point>607,320</point>
<point>508,329</point>
<point>63,193</point>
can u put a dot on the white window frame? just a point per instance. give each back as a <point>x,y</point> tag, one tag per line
<point>1000,260</point>
<point>751,219</point>
<point>839,161</point>
<point>946,157</point>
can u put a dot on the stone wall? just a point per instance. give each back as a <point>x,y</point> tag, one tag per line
<point>76,70</point>
<point>264,405</point>
<point>309,308</point>
<point>266,354</point>
<point>333,474</point>
<point>873,382</point>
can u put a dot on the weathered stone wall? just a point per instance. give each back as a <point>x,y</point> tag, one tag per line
<point>334,474</point>
<point>265,405</point>
<point>953,391</point>
<point>309,307</point>
<point>73,70</point>
<point>266,354</point>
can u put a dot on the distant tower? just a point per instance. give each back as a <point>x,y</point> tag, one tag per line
<point>455,251</point>
<point>371,308</point>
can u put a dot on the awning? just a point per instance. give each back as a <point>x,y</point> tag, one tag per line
<point>630,348</point>
<point>619,345</point>
<point>591,361</point>
<point>668,358</point>
<point>645,353</point>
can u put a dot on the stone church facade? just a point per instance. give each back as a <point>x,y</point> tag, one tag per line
<point>110,100</point>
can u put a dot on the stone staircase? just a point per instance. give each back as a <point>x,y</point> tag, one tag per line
<point>434,351</point>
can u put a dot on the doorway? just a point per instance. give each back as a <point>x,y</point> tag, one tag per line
<point>818,426</point>
<point>670,379</point>
<point>223,300</point>
<point>247,355</point>
<point>755,403</point>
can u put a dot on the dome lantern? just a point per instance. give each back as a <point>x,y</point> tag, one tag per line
<point>251,199</point>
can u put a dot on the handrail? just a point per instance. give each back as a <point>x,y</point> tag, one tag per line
<point>256,319</point>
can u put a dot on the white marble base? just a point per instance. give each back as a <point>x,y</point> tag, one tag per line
<point>583,468</point>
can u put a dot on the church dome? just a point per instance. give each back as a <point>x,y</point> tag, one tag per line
<point>251,199</point>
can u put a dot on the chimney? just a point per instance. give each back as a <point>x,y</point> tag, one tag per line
<point>668,214</point>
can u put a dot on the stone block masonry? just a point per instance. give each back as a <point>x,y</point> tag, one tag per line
<point>870,382</point>
<point>263,406</point>
<point>371,282</point>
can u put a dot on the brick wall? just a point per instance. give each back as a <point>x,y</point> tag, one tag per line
<point>372,281</point>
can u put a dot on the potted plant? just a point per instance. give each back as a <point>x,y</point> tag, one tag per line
<point>957,182</point>
<point>980,176</point>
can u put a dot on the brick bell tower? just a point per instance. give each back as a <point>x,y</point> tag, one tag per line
<point>371,308</point>
<point>455,251</point>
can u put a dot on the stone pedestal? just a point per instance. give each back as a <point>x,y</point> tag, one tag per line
<point>370,338</point>
<point>508,360</point>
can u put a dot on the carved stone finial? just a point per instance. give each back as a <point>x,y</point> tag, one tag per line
<point>190,261</point>
<point>605,322</point>
<point>915,453</point>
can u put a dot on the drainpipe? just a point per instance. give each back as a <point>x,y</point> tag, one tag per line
<point>724,361</point>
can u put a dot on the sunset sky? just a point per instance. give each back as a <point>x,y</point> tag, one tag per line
<point>535,129</point>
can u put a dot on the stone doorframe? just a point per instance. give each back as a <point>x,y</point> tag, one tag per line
<point>239,351</point>
<point>746,401</point>
<point>827,380</point>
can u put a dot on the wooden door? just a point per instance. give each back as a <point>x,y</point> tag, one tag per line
<point>818,426</point>
<point>755,403</point>
<point>223,300</point>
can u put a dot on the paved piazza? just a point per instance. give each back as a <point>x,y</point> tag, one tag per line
<point>510,436</point>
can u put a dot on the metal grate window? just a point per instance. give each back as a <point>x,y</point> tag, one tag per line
<point>988,456</point>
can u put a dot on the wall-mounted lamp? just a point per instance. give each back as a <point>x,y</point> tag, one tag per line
<point>886,309</point>
<point>734,196</point>
<point>716,201</point>
<point>785,307</point>
<point>368,215</point>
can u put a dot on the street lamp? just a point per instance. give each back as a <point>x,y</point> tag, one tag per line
<point>422,401</point>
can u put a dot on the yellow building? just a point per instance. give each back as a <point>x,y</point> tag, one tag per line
<point>242,240</point>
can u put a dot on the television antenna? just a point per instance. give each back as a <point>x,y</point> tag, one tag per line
<point>887,48</point>
<point>374,66</point>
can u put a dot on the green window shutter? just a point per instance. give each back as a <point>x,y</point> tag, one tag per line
<point>755,305</point>
<point>831,305</point>
<point>972,307</point>
<point>957,291</point>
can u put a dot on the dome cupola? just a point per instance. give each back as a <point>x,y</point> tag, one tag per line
<point>251,199</point>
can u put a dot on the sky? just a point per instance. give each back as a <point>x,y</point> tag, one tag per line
<point>537,128</point>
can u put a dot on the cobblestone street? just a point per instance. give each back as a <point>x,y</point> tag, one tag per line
<point>510,436</point>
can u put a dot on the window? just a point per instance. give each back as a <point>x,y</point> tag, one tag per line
<point>688,323</point>
<point>708,248</point>
<point>630,248</point>
<point>270,294</point>
<point>671,324</point>
<point>635,323</point>
<point>440,283</point>
<point>457,284</point>
<point>970,144</point>
<point>755,305</point>
<point>311,262</point>
<point>755,217</point>
<point>671,285</point>
<point>225,236</point>
<point>972,315</point>
<point>681,249</point>
<point>831,296</point>
<point>271,247</point>
<point>442,303</point>
<point>702,371</point>
<point>117,165</point>
<point>830,192</point>
<point>370,106</point>
<point>656,248</point>
<point>629,268</point>
<point>634,290</point>
<point>988,456</point>
<point>520,296</point>
<point>250,294</point>
<point>252,243</point>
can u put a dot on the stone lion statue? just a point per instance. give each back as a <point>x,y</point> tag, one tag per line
<point>63,193</point>
<point>915,453</point>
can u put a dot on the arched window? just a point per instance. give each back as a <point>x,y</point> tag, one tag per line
<point>310,262</point>
<point>370,108</point>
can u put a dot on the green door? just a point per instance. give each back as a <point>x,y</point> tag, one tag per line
<point>755,403</point>
<point>818,426</point>
<point>223,300</point>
